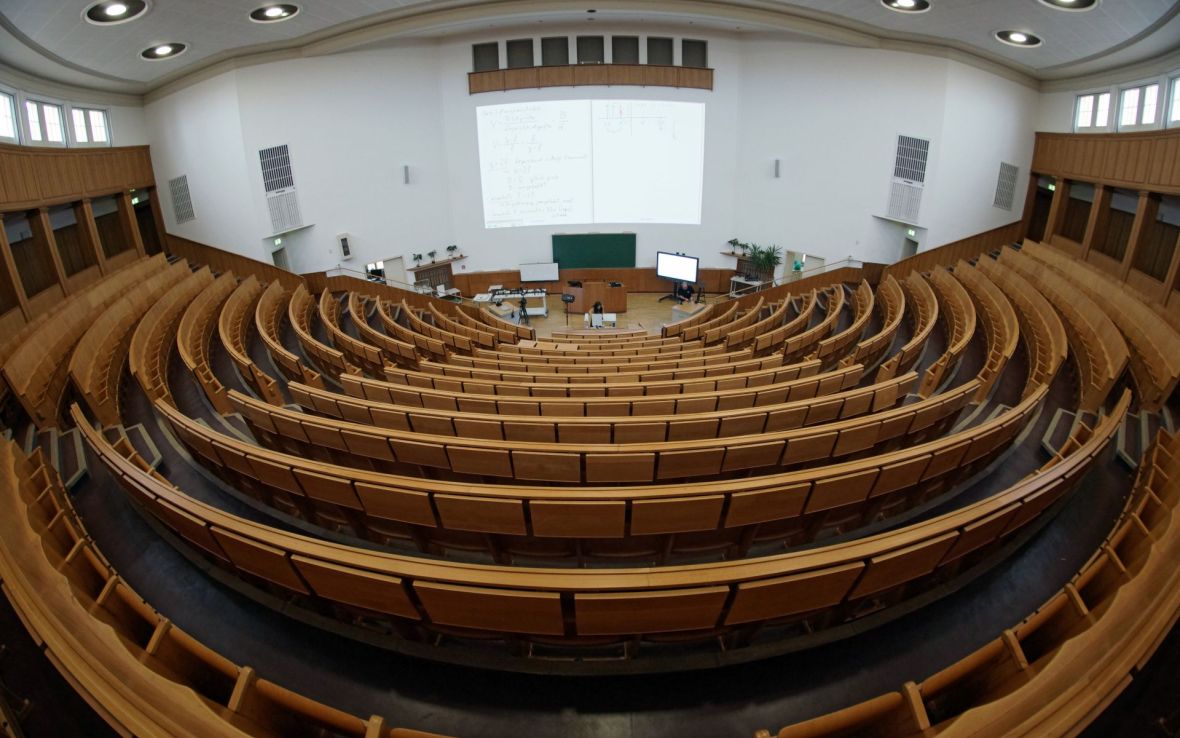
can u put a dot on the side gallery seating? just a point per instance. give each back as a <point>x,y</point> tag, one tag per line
<point>1053,671</point>
<point>147,675</point>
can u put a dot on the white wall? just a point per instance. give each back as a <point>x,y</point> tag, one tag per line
<point>198,132</point>
<point>830,114</point>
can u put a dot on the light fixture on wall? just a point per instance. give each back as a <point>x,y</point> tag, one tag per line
<point>777,167</point>
<point>405,173</point>
<point>274,13</point>
<point>907,6</point>
<point>112,12</point>
<point>160,52</point>
<point>1019,39</point>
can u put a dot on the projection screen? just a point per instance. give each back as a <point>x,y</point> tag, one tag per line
<point>591,161</point>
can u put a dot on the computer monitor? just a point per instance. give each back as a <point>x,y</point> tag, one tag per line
<point>677,267</point>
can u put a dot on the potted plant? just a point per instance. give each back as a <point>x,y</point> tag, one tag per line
<point>764,259</point>
<point>431,254</point>
<point>451,250</point>
<point>733,245</point>
<point>417,259</point>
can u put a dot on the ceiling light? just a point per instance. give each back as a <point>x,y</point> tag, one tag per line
<point>169,50</point>
<point>1022,39</point>
<point>274,13</point>
<point>110,12</point>
<point>1075,5</point>
<point>907,6</point>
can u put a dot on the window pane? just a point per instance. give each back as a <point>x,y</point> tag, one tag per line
<point>1150,95</point>
<point>1130,107</point>
<point>694,53</point>
<point>79,126</point>
<point>1175,100</point>
<point>485,57</point>
<point>1085,111</point>
<point>7,121</point>
<point>659,51</point>
<point>555,51</point>
<point>625,49</point>
<point>98,125</point>
<point>1102,118</point>
<point>34,115</point>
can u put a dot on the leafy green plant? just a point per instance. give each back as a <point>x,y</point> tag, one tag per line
<point>452,249</point>
<point>416,257</point>
<point>431,254</point>
<point>764,259</point>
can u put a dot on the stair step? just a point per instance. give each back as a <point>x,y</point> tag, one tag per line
<point>72,458</point>
<point>1058,432</point>
<point>237,426</point>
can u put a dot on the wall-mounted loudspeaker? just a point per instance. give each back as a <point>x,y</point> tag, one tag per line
<point>405,173</point>
<point>777,162</point>
<point>345,248</point>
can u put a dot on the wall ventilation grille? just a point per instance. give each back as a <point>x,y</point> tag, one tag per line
<point>909,178</point>
<point>1006,186</point>
<point>182,201</point>
<point>279,183</point>
<point>910,163</point>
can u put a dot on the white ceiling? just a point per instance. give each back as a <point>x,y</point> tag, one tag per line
<point>49,39</point>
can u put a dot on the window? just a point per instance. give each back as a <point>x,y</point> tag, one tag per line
<point>590,50</point>
<point>555,51</point>
<point>45,122</point>
<point>520,53</point>
<point>694,53</point>
<point>624,49</point>
<point>659,51</point>
<point>485,57</point>
<point>1138,106</point>
<point>7,118</point>
<point>90,126</point>
<point>1093,111</point>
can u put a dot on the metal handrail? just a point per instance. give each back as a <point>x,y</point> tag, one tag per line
<point>793,276</point>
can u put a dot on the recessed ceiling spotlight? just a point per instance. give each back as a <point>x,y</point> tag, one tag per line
<point>274,13</point>
<point>907,6</point>
<point>163,51</point>
<point>110,12</point>
<point>1071,4</point>
<point>1023,39</point>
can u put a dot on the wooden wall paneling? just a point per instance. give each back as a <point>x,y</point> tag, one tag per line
<point>521,78</point>
<point>1095,218</point>
<point>155,203</point>
<point>1057,209</point>
<point>36,177</point>
<point>128,222</point>
<point>1148,160</point>
<point>573,75</point>
<point>591,74</point>
<point>1146,209</point>
<point>88,232</point>
<point>34,266</point>
<point>47,245</point>
<point>110,234</point>
<point>75,256</point>
<point>14,291</point>
<point>947,254</point>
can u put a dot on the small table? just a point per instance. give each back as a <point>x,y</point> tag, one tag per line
<point>739,286</point>
<point>482,297</point>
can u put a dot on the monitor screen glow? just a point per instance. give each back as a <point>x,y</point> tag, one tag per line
<point>676,266</point>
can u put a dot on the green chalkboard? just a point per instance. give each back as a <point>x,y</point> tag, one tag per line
<point>594,250</point>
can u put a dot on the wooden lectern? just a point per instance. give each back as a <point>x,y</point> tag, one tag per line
<point>613,299</point>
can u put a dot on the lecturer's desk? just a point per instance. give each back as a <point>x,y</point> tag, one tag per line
<point>613,299</point>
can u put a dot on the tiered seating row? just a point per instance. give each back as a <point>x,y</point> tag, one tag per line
<point>233,327</point>
<point>96,365</point>
<point>1155,346</point>
<point>862,313</point>
<point>423,344</point>
<point>566,353</point>
<point>922,306</point>
<point>959,320</point>
<point>469,316</point>
<point>453,341</point>
<point>522,331</point>
<point>799,345</point>
<point>697,332</point>
<point>620,385</point>
<point>671,330</point>
<point>329,360</point>
<point>871,349</point>
<point>141,672</point>
<point>37,370</point>
<point>737,337</point>
<point>573,604</point>
<point>151,344</point>
<point>725,330</point>
<point>1050,674</point>
<point>478,337</point>
<point>366,356</point>
<point>195,332</point>
<point>1000,324</point>
<point>525,374</point>
<point>690,358</point>
<point>598,460</point>
<point>606,429</point>
<point>268,318</point>
<point>401,352</point>
<point>1037,318</point>
<point>707,398</point>
<point>1100,352</point>
<point>774,340</point>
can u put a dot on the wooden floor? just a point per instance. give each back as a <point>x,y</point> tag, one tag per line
<point>644,310</point>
